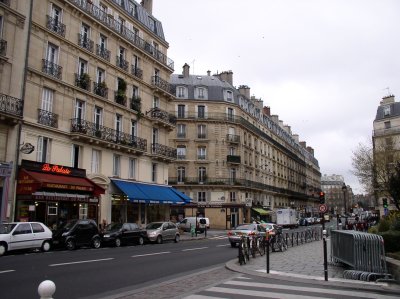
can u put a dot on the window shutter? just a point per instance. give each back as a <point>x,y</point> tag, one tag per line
<point>39,149</point>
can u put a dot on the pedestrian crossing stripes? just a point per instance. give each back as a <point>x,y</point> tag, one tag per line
<point>218,237</point>
<point>247,287</point>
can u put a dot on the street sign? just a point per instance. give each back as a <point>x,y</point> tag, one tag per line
<point>323,208</point>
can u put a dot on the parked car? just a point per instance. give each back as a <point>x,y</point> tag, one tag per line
<point>161,231</point>
<point>118,234</point>
<point>303,222</point>
<point>24,235</point>
<point>77,233</point>
<point>246,229</point>
<point>187,223</point>
<point>270,227</point>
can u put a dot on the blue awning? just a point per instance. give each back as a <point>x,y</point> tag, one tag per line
<point>148,193</point>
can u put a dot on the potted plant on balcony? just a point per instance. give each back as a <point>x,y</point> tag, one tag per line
<point>120,96</point>
<point>84,80</point>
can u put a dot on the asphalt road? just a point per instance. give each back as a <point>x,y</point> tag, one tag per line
<point>91,272</point>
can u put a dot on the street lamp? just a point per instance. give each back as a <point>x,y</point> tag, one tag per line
<point>344,188</point>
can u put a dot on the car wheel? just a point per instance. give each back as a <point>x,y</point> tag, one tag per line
<point>46,246</point>
<point>177,238</point>
<point>96,243</point>
<point>3,249</point>
<point>141,241</point>
<point>70,244</point>
<point>159,239</point>
<point>117,242</point>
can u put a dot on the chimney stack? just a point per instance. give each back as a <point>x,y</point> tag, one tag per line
<point>303,144</point>
<point>245,91</point>
<point>186,69</point>
<point>148,5</point>
<point>267,110</point>
<point>209,73</point>
<point>227,76</point>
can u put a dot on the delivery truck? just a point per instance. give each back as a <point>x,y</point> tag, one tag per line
<point>287,218</point>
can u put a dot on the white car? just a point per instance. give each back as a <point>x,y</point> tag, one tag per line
<point>24,235</point>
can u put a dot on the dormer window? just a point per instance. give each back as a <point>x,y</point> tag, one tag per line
<point>386,111</point>
<point>229,96</point>
<point>181,92</point>
<point>200,93</point>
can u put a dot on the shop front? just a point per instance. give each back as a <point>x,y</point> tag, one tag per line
<point>143,202</point>
<point>53,194</point>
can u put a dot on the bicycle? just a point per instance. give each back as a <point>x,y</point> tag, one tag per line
<point>257,245</point>
<point>243,250</point>
<point>278,242</point>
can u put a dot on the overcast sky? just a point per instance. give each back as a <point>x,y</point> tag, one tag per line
<point>322,66</point>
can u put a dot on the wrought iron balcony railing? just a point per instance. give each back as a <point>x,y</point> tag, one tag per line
<point>233,159</point>
<point>82,81</point>
<point>201,157</point>
<point>3,47</point>
<point>10,105</point>
<point>91,129</point>
<point>386,131</point>
<point>122,63</point>
<point>85,42</point>
<point>100,89</point>
<point>163,150</point>
<point>201,136</point>
<point>233,138</point>
<point>181,156</point>
<point>137,72</point>
<point>161,83</point>
<point>52,69</point>
<point>120,98</point>
<point>5,2</point>
<point>181,135</point>
<point>103,52</point>
<point>55,26</point>
<point>47,118</point>
<point>136,104</point>
<point>122,30</point>
<point>157,113</point>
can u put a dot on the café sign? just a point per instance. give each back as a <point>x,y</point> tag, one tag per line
<point>56,169</point>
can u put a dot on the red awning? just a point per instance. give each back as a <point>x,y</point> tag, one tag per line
<point>30,181</point>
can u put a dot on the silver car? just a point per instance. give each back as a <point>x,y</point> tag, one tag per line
<point>161,231</point>
<point>246,229</point>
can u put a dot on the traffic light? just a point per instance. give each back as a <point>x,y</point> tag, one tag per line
<point>322,198</point>
<point>385,203</point>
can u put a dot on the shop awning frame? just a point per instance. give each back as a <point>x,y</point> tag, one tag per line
<point>260,211</point>
<point>150,193</point>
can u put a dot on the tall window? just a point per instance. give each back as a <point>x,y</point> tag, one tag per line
<point>386,110</point>
<point>232,196</point>
<point>181,131</point>
<point>76,152</point>
<point>201,132</point>
<point>181,174</point>
<point>85,32</point>
<point>201,153</point>
<point>229,96</point>
<point>202,174</point>
<point>95,163</point>
<point>47,100</point>
<point>154,139</point>
<point>103,42</point>
<point>201,196</point>
<point>132,168</point>
<point>181,111</point>
<point>156,102</point>
<point>121,53</point>
<point>116,165</point>
<point>232,151</point>
<point>135,62</point>
<point>154,172</point>
<point>1,26</point>
<point>181,92</point>
<point>98,117</point>
<point>56,14</point>
<point>230,114</point>
<point>200,92</point>
<point>82,66</point>
<point>43,149</point>
<point>181,152</point>
<point>201,111</point>
<point>232,175</point>
<point>118,125</point>
<point>100,76</point>
<point>52,53</point>
<point>79,110</point>
<point>133,127</point>
<point>135,91</point>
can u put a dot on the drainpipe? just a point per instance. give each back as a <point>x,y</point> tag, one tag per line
<point>23,91</point>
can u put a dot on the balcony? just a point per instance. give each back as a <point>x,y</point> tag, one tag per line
<point>120,98</point>
<point>85,42</point>
<point>163,118</point>
<point>122,63</point>
<point>163,152</point>
<point>181,135</point>
<point>233,138</point>
<point>82,81</point>
<point>103,52</point>
<point>10,108</point>
<point>55,26</point>
<point>181,156</point>
<point>201,157</point>
<point>3,47</point>
<point>161,84</point>
<point>233,159</point>
<point>387,131</point>
<point>137,72</point>
<point>47,118</point>
<point>5,2</point>
<point>51,69</point>
<point>92,132</point>
<point>136,104</point>
<point>100,89</point>
<point>116,26</point>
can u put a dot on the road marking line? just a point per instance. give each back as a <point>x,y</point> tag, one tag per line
<point>81,262</point>
<point>224,245</point>
<point>149,254</point>
<point>190,249</point>
<point>6,271</point>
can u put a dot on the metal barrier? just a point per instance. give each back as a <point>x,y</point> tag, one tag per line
<point>363,252</point>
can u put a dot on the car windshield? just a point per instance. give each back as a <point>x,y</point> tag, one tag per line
<point>245,227</point>
<point>154,225</point>
<point>113,226</point>
<point>6,228</point>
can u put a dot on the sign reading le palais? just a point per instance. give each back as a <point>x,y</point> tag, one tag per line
<point>56,169</point>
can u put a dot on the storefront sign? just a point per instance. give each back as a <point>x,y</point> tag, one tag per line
<point>52,168</point>
<point>56,169</point>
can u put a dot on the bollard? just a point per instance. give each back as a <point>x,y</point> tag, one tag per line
<point>325,255</point>
<point>46,289</point>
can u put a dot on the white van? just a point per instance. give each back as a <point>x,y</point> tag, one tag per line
<point>189,222</point>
